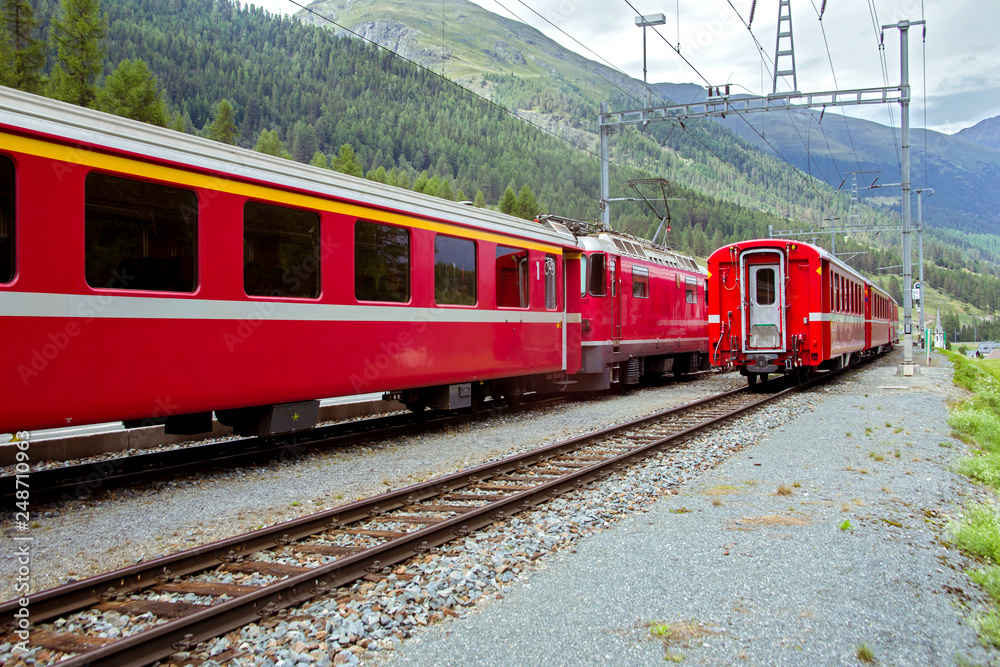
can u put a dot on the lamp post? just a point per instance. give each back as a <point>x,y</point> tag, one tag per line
<point>643,22</point>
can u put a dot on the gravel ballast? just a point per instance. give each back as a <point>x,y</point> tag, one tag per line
<point>734,550</point>
<point>731,570</point>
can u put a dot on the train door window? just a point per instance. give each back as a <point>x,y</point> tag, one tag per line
<point>691,289</point>
<point>765,287</point>
<point>280,251</point>
<point>583,275</point>
<point>706,292</point>
<point>454,271</point>
<point>640,282</point>
<point>597,275</point>
<point>381,262</point>
<point>512,277</point>
<point>139,235</point>
<point>551,278</point>
<point>6,220</point>
<point>614,277</point>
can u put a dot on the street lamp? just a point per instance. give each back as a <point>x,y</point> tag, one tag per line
<point>643,22</point>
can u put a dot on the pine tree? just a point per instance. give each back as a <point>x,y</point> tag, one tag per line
<point>78,34</point>
<point>508,202</point>
<point>20,47</point>
<point>223,125</point>
<point>347,162</point>
<point>131,91</point>
<point>270,143</point>
<point>480,201</point>
<point>527,206</point>
<point>319,160</point>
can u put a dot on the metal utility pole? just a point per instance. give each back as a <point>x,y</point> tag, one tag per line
<point>920,253</point>
<point>644,22</point>
<point>904,106</point>
<point>784,16</point>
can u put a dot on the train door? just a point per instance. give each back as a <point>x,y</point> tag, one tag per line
<point>616,297</point>
<point>764,322</point>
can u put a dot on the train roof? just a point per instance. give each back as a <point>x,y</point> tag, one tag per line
<point>38,115</point>
<point>784,243</point>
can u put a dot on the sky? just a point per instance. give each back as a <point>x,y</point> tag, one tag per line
<point>959,86</point>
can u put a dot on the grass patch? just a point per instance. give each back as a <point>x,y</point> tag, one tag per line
<point>865,654</point>
<point>977,531</point>
<point>784,490</point>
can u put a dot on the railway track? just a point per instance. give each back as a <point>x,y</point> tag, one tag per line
<point>362,539</point>
<point>83,480</point>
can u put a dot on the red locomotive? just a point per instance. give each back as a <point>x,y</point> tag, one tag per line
<point>780,306</point>
<point>145,273</point>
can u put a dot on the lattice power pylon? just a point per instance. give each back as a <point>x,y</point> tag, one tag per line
<point>784,45</point>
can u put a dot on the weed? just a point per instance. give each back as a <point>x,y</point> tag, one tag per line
<point>681,510</point>
<point>868,431</point>
<point>797,485</point>
<point>989,579</point>
<point>865,654</point>
<point>846,525</point>
<point>876,456</point>
<point>295,503</point>
<point>784,490</point>
<point>988,627</point>
<point>848,434</point>
<point>896,453</point>
<point>898,429</point>
<point>888,425</point>
<point>673,657</point>
<point>946,445</point>
<point>659,630</point>
<point>863,471</point>
<point>978,532</point>
<point>717,502</point>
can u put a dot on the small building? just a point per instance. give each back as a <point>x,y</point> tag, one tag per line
<point>985,349</point>
<point>938,331</point>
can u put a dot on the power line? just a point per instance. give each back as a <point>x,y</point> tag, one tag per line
<point>445,79</point>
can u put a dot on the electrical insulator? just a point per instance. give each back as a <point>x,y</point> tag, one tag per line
<point>753,8</point>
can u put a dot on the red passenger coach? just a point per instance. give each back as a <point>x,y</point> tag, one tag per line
<point>778,306</point>
<point>147,273</point>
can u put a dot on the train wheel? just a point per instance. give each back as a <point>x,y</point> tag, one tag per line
<point>478,398</point>
<point>414,400</point>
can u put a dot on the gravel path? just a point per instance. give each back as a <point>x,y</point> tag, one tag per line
<point>752,562</point>
<point>732,551</point>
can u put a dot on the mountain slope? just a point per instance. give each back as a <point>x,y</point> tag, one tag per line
<point>984,133</point>
<point>964,176</point>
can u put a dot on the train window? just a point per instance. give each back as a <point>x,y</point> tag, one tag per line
<point>640,282</point>
<point>583,275</point>
<point>691,289</point>
<point>280,251</point>
<point>381,262</point>
<point>597,275</point>
<point>613,265</point>
<point>551,294</point>
<point>139,235</point>
<point>454,271</point>
<point>765,287</point>
<point>512,277</point>
<point>6,219</point>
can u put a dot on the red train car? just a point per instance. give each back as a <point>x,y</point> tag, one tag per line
<point>780,306</point>
<point>147,274</point>
<point>642,312</point>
